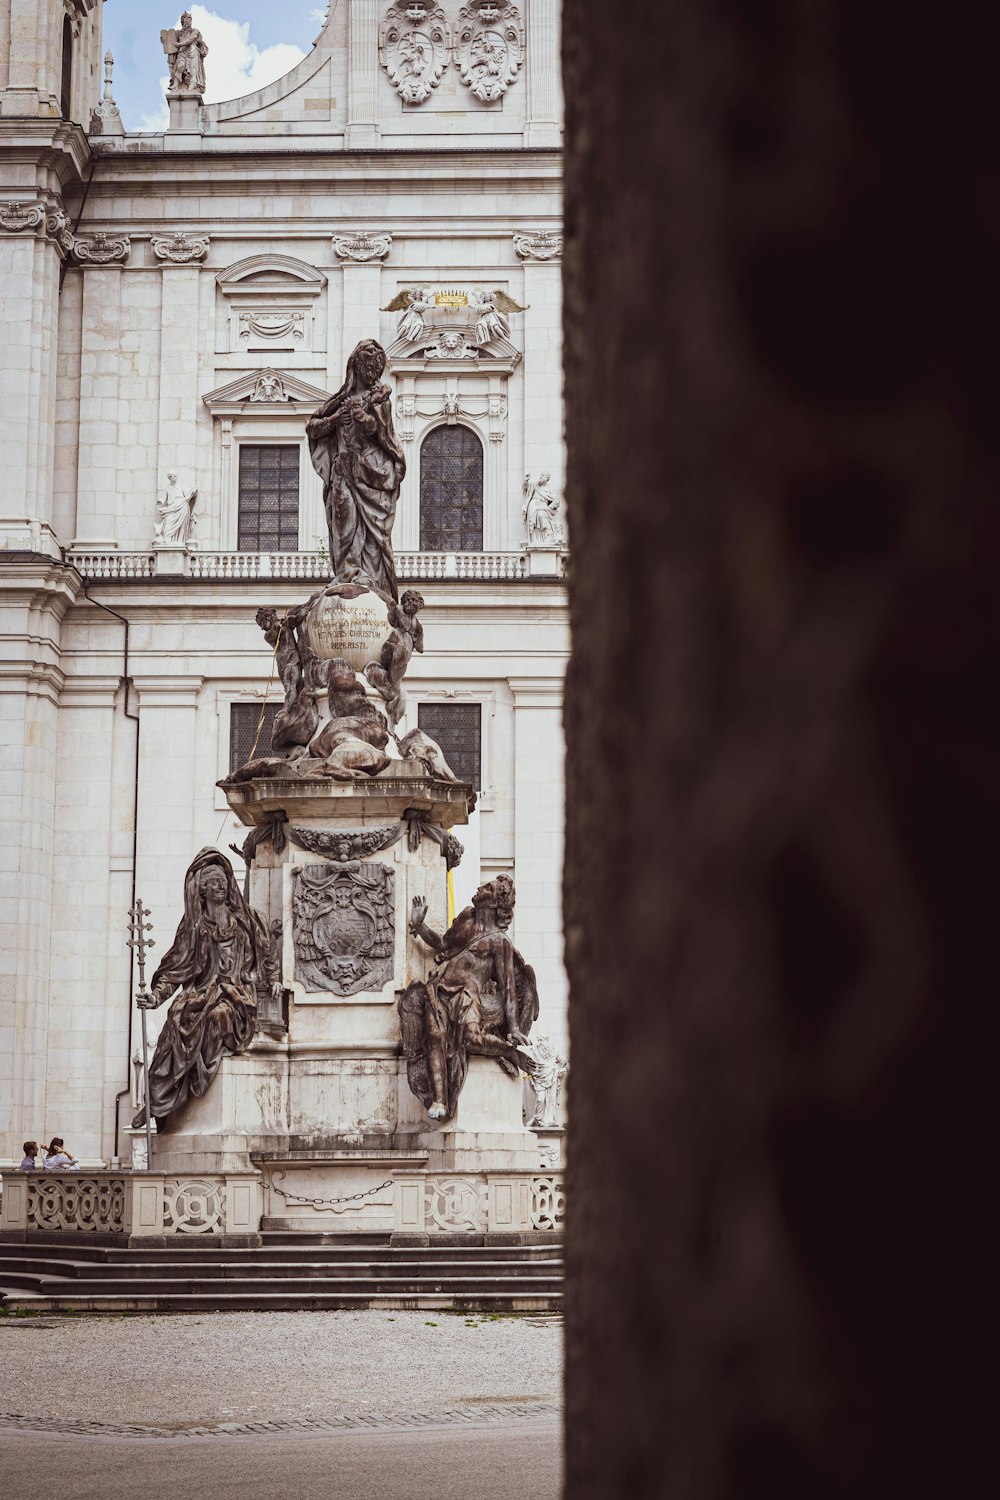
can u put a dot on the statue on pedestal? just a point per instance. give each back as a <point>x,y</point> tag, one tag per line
<point>186,51</point>
<point>357,455</point>
<point>480,997</point>
<point>174,514</point>
<point>220,952</point>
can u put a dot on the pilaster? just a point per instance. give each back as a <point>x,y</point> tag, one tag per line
<point>362,75</point>
<point>538,834</point>
<point>100,365</point>
<point>543,127</point>
<point>543,443</point>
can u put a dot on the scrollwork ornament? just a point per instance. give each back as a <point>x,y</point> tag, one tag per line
<point>180,249</point>
<point>543,244</point>
<point>18,216</point>
<point>101,249</point>
<point>413,48</point>
<point>489,46</point>
<point>362,246</point>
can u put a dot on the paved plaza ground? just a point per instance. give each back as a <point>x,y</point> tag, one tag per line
<point>326,1404</point>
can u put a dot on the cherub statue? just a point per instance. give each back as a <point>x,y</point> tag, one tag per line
<point>411,304</point>
<point>490,308</point>
<point>407,635</point>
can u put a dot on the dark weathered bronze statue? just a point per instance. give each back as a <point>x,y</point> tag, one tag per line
<point>386,675</point>
<point>357,455</point>
<point>220,952</point>
<point>480,997</point>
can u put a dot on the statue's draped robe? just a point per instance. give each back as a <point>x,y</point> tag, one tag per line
<point>361,476</point>
<point>216,965</point>
<point>190,60</point>
<point>175,514</point>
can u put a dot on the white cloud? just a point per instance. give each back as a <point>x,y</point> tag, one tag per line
<point>234,65</point>
<point>320,14</point>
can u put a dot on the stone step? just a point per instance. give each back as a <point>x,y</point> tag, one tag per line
<point>507,1302</point>
<point>308,1252</point>
<point>254,1270</point>
<point>89,1286</point>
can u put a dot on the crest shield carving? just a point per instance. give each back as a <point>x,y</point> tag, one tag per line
<point>413,48</point>
<point>343,927</point>
<point>489,46</point>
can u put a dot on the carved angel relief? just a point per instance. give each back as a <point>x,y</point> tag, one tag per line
<point>413,48</point>
<point>489,47</point>
<point>343,927</point>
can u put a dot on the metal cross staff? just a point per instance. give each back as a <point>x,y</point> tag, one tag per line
<point>139,942</point>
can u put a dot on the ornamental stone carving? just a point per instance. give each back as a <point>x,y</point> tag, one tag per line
<point>362,246</point>
<point>543,244</point>
<point>272,325</point>
<point>269,388</point>
<point>101,249</point>
<point>17,216</point>
<point>343,927</point>
<point>186,50</point>
<point>180,249</point>
<point>343,845</point>
<point>413,48</point>
<point>57,225</point>
<point>489,47</point>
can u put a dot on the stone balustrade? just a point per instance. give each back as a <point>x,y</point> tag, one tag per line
<point>152,1206</point>
<point>242,566</point>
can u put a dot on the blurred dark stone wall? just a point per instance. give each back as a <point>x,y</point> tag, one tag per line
<point>782,890</point>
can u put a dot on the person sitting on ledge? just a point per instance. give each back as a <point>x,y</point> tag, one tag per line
<point>30,1149</point>
<point>59,1159</point>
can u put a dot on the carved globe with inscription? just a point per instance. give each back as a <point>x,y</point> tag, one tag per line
<point>348,621</point>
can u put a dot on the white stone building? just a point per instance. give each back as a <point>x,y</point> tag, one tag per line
<point>178,304</point>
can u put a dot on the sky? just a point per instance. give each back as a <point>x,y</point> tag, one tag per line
<point>250,43</point>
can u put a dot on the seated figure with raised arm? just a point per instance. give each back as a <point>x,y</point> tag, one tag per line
<point>480,997</point>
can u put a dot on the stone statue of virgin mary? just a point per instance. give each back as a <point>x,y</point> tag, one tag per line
<point>356,453</point>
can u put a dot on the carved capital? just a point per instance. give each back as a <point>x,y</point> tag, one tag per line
<point>542,244</point>
<point>17,216</point>
<point>101,249</point>
<point>180,249</point>
<point>362,246</point>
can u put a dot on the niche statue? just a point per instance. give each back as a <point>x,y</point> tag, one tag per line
<point>220,952</point>
<point>354,450</point>
<point>480,997</point>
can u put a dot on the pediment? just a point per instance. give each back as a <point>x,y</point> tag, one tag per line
<point>281,273</point>
<point>265,390</point>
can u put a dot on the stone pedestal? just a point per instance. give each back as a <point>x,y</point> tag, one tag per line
<point>545,562</point>
<point>185,112</point>
<point>169,559</point>
<point>323,1116</point>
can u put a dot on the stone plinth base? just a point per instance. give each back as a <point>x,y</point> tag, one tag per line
<point>487,1133</point>
<point>247,1104</point>
<point>185,112</point>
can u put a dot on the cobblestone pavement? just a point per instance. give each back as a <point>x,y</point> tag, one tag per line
<point>243,1373</point>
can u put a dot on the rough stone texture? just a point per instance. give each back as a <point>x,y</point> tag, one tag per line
<point>274,1367</point>
<point>781,900</point>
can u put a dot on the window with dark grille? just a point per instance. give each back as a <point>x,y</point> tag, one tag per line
<point>66,92</point>
<point>457,728</point>
<point>269,498</point>
<point>451,491</point>
<point>243,721</point>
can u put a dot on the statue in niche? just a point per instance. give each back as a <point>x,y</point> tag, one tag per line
<point>174,514</point>
<point>480,997</point>
<point>343,927</point>
<point>186,51</point>
<point>407,635</point>
<point>219,954</point>
<point>357,455</point>
<point>540,512</point>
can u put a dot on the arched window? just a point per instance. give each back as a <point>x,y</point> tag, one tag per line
<point>451,491</point>
<point>66,100</point>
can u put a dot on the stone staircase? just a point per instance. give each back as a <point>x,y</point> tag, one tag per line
<point>288,1273</point>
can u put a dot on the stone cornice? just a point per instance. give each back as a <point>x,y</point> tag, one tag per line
<point>55,145</point>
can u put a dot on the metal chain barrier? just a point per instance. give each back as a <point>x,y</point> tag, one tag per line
<point>328,1202</point>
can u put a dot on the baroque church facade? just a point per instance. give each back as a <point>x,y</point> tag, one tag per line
<point>174,306</point>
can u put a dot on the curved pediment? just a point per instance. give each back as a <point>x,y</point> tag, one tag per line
<point>259,270</point>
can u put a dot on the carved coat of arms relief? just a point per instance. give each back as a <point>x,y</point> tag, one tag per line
<point>413,48</point>
<point>343,927</point>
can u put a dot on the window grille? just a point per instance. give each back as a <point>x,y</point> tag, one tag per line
<point>269,498</point>
<point>451,491</point>
<point>243,721</point>
<point>457,728</point>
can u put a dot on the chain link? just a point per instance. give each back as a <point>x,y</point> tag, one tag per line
<point>329,1202</point>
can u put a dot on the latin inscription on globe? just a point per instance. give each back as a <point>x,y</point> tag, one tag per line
<point>350,628</point>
